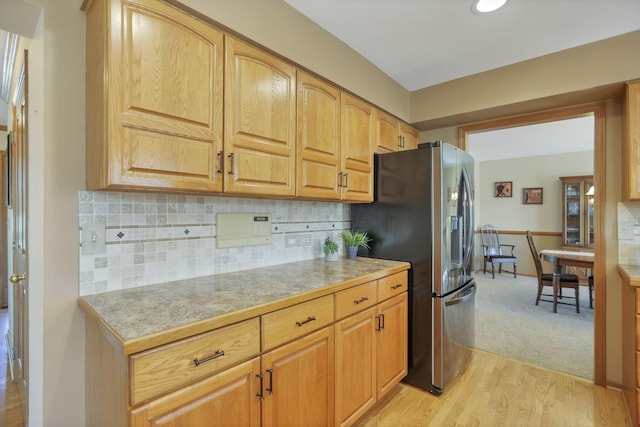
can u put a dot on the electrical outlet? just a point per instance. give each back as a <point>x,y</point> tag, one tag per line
<point>291,241</point>
<point>305,240</point>
<point>93,239</point>
<point>625,231</point>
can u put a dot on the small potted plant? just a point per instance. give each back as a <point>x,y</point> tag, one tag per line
<point>330,249</point>
<point>353,239</point>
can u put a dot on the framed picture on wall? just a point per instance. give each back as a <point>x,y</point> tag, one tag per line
<point>502,189</point>
<point>532,196</point>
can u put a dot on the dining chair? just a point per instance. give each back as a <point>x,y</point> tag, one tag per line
<point>546,279</point>
<point>493,250</point>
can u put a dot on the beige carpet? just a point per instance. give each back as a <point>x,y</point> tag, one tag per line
<point>509,323</point>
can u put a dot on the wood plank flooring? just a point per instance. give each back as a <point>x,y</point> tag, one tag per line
<point>10,407</point>
<point>496,391</point>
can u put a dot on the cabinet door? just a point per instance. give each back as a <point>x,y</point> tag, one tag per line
<point>577,212</point>
<point>164,100</point>
<point>299,382</point>
<point>356,150</point>
<point>392,343</point>
<point>229,396</point>
<point>260,120</point>
<point>318,138</point>
<point>631,144</point>
<point>572,218</point>
<point>409,137</point>
<point>387,133</point>
<point>355,366</point>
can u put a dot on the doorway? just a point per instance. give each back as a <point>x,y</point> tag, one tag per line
<point>597,110</point>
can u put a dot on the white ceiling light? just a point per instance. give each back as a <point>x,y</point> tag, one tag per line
<point>485,6</point>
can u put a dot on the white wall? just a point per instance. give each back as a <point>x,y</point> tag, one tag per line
<point>510,213</point>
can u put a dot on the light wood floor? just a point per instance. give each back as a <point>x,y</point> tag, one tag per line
<point>495,391</point>
<point>10,408</point>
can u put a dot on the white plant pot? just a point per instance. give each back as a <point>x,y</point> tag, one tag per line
<point>331,256</point>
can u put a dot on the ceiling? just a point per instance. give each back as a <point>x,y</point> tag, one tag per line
<point>562,136</point>
<point>420,43</point>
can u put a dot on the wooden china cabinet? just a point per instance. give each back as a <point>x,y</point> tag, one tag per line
<point>578,218</point>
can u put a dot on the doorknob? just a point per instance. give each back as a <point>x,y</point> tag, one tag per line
<point>15,278</point>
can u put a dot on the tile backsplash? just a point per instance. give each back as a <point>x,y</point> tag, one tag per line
<point>156,238</point>
<point>629,233</point>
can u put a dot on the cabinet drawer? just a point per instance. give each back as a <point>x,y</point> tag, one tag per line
<point>168,367</point>
<point>392,285</point>
<point>356,299</point>
<point>293,322</point>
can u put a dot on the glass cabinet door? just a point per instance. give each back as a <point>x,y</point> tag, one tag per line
<point>573,214</point>
<point>577,211</point>
<point>589,219</point>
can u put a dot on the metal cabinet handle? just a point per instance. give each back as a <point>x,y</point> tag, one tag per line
<point>260,394</point>
<point>380,318</point>
<point>361,300</point>
<point>231,158</point>
<point>218,353</point>
<point>15,278</point>
<point>399,285</point>
<point>309,319</point>
<point>346,180</point>
<point>270,388</point>
<point>220,162</point>
<point>340,179</point>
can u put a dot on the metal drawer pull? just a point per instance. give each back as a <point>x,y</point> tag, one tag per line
<point>218,353</point>
<point>259,394</point>
<point>270,388</point>
<point>399,285</point>
<point>363,299</point>
<point>309,319</point>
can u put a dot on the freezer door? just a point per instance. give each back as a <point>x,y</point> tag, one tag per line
<point>456,331</point>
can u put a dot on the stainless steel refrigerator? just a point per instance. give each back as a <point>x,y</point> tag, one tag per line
<point>423,214</point>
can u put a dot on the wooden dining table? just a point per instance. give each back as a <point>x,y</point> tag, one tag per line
<point>562,258</point>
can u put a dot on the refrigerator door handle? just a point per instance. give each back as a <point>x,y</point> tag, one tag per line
<point>466,297</point>
<point>469,190</point>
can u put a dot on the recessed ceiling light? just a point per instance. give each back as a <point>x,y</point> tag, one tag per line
<point>485,6</point>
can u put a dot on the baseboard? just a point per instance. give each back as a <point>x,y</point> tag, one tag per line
<point>6,339</point>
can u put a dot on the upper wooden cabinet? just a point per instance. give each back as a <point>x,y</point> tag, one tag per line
<point>260,120</point>
<point>387,133</point>
<point>631,144</point>
<point>318,138</point>
<point>154,97</point>
<point>393,135</point>
<point>409,137</point>
<point>356,158</point>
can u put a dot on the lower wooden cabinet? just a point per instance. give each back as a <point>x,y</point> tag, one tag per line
<point>231,394</point>
<point>392,343</point>
<point>355,366</point>
<point>371,357</point>
<point>298,382</point>
<point>306,370</point>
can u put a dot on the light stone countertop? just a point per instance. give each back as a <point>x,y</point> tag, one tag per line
<point>142,317</point>
<point>630,273</point>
